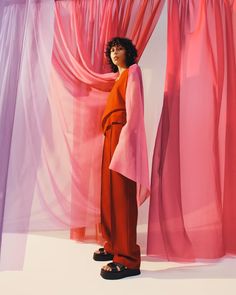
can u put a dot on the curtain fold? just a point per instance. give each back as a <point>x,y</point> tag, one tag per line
<point>193,206</point>
<point>53,89</point>
<point>229,193</point>
<point>10,56</point>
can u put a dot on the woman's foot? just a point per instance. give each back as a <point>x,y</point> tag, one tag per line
<point>115,271</point>
<point>102,255</point>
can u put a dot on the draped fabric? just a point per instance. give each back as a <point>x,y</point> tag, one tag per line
<point>26,35</point>
<point>77,63</point>
<point>193,190</point>
<point>53,89</point>
<point>130,157</point>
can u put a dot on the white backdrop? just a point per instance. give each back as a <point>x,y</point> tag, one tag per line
<point>153,65</point>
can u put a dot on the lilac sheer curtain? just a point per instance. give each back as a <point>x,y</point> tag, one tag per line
<point>24,67</point>
<point>193,189</point>
<point>53,88</point>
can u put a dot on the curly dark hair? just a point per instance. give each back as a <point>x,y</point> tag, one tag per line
<point>131,51</point>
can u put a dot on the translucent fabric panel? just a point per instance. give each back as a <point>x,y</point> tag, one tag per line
<point>81,72</point>
<point>26,36</point>
<point>193,206</point>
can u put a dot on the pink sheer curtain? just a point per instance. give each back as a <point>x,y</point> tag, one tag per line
<point>79,70</point>
<point>193,188</point>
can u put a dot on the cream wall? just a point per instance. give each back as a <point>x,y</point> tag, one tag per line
<point>153,66</point>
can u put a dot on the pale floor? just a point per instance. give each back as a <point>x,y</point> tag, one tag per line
<point>56,266</point>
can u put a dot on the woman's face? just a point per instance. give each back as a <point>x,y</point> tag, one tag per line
<point>118,55</point>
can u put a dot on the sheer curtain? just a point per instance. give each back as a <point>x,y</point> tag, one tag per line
<point>53,88</point>
<point>26,35</point>
<point>193,190</point>
<point>77,62</point>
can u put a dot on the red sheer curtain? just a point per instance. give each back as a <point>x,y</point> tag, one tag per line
<point>193,189</point>
<point>82,29</point>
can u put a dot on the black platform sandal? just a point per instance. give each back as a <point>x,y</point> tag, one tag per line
<point>102,255</point>
<point>118,271</point>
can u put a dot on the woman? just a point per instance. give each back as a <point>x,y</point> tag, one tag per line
<point>123,127</point>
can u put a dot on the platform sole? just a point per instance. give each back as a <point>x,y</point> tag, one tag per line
<point>106,257</point>
<point>109,275</point>
<point>102,256</point>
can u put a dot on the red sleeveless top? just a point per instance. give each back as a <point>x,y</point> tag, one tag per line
<point>115,111</point>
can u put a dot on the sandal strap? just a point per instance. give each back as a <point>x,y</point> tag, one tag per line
<point>120,265</point>
<point>114,265</point>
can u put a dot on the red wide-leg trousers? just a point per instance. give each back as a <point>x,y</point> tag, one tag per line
<point>119,210</point>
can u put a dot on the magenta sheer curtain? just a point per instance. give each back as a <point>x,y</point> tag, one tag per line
<point>53,89</point>
<point>193,190</point>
